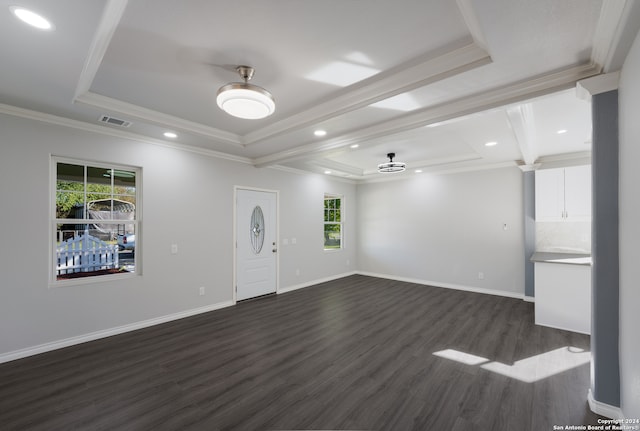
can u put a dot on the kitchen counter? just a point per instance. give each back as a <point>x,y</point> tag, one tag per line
<point>566,258</point>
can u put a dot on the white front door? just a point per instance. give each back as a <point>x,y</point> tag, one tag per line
<point>256,240</point>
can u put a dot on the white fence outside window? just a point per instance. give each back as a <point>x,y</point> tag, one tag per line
<point>85,253</point>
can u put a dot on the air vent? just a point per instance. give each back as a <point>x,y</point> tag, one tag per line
<point>114,121</point>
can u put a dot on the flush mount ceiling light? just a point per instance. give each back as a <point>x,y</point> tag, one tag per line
<point>391,166</point>
<point>244,100</point>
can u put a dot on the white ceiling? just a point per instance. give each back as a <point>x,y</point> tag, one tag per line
<point>432,81</point>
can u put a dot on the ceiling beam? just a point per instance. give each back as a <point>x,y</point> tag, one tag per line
<point>617,27</point>
<point>523,125</point>
<point>336,166</point>
<point>111,16</point>
<point>448,61</point>
<point>472,22</point>
<point>498,97</point>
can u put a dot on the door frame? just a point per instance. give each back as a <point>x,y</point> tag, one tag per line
<point>235,236</point>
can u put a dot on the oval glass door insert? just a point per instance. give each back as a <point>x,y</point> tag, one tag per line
<point>257,229</point>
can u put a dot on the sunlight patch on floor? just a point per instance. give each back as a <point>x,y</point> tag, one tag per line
<point>528,370</point>
<point>462,357</point>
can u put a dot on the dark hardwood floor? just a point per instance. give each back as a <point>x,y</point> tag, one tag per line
<point>355,353</point>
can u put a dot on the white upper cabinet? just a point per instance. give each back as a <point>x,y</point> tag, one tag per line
<point>563,194</point>
<point>550,194</point>
<point>577,193</point>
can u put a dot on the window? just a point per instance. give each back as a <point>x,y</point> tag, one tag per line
<point>95,219</point>
<point>332,222</point>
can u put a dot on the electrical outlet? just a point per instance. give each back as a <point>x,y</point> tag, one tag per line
<point>297,272</point>
<point>481,276</point>
<point>174,248</point>
<point>201,290</point>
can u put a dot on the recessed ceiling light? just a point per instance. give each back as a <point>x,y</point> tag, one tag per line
<point>354,146</point>
<point>491,144</point>
<point>320,132</point>
<point>327,172</point>
<point>418,171</point>
<point>170,135</point>
<point>31,18</point>
<point>561,131</point>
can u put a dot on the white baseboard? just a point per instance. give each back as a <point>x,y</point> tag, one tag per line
<point>445,285</point>
<point>314,282</point>
<point>59,344</point>
<point>47,347</point>
<point>603,409</point>
<point>562,328</point>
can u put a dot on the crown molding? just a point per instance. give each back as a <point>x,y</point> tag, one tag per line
<point>117,133</point>
<point>527,167</point>
<point>448,61</point>
<point>501,96</point>
<point>564,160</point>
<point>597,84</point>
<point>130,110</point>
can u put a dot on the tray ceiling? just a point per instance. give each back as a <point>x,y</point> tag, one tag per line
<point>431,81</point>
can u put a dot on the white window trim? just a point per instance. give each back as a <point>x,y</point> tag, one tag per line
<point>53,221</point>
<point>341,222</point>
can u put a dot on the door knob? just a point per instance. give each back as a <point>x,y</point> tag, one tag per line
<point>274,250</point>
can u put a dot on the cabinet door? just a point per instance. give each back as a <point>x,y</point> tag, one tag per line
<point>577,193</point>
<point>550,194</point>
<point>563,296</point>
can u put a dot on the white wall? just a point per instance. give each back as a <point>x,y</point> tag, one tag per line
<point>629,109</point>
<point>441,229</point>
<point>187,198</point>
<point>446,229</point>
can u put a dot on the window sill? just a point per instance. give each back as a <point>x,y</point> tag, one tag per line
<point>92,279</point>
<point>333,250</point>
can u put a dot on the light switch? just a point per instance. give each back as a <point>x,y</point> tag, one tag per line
<point>174,248</point>
<point>293,240</point>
